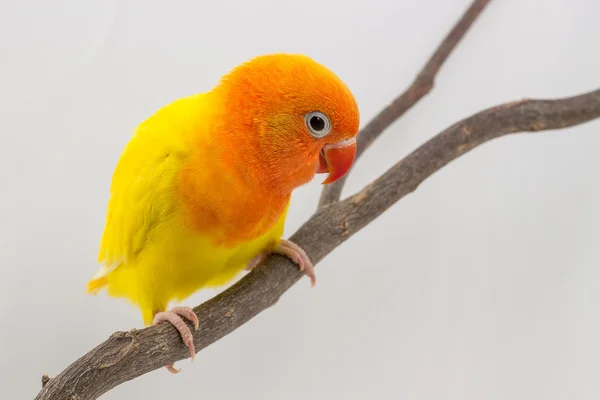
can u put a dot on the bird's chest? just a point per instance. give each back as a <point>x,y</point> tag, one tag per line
<point>234,220</point>
<point>200,258</point>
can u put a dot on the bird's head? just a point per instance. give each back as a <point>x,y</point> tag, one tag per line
<point>292,117</point>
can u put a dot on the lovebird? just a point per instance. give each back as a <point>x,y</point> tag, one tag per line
<point>202,188</point>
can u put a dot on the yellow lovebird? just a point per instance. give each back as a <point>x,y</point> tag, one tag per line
<point>202,189</point>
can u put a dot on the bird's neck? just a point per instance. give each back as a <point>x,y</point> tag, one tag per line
<point>225,186</point>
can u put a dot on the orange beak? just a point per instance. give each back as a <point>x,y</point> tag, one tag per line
<point>337,158</point>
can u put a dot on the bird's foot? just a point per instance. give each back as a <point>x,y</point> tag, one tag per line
<point>292,251</point>
<point>295,253</point>
<point>173,316</point>
<point>256,261</point>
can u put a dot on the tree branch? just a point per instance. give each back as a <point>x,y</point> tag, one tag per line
<point>127,355</point>
<point>420,87</point>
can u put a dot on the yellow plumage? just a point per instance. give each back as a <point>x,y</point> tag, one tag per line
<point>150,255</point>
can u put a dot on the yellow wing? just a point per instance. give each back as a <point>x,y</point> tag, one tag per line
<point>141,194</point>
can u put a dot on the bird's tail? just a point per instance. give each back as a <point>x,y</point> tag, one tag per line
<point>99,280</point>
<point>96,284</point>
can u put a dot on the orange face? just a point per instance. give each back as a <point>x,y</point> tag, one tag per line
<point>291,117</point>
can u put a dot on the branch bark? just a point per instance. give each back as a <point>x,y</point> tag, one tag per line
<point>420,87</point>
<point>127,355</point>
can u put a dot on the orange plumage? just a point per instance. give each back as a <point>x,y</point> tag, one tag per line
<point>261,149</point>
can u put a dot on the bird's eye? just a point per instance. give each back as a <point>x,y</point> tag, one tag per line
<point>318,124</point>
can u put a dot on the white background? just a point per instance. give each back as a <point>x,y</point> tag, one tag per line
<point>483,284</point>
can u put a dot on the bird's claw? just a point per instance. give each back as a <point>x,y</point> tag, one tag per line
<point>298,256</point>
<point>174,317</point>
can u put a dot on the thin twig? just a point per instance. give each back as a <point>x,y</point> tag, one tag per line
<point>421,86</point>
<point>127,355</point>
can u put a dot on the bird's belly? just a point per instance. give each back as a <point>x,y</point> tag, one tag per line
<point>176,262</point>
<point>183,263</point>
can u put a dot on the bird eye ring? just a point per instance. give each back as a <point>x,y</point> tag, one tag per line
<point>318,124</point>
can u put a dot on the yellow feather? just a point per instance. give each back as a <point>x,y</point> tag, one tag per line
<point>149,255</point>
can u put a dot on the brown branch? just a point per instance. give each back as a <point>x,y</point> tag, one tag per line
<point>127,355</point>
<point>420,87</point>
